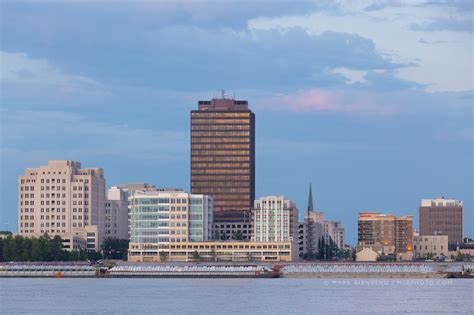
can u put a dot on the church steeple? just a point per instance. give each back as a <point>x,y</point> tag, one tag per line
<point>310,199</point>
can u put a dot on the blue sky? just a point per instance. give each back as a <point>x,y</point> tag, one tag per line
<point>371,101</point>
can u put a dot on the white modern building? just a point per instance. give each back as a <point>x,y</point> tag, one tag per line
<point>131,188</point>
<point>174,216</point>
<point>61,198</point>
<point>275,220</point>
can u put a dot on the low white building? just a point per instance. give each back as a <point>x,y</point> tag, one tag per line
<point>366,254</point>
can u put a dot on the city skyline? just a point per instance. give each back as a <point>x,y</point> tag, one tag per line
<point>374,124</point>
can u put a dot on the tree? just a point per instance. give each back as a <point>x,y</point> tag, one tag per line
<point>93,255</point>
<point>213,255</point>
<point>238,236</point>
<point>223,236</point>
<point>163,256</point>
<point>21,248</point>
<point>36,250</point>
<point>55,248</point>
<point>250,256</point>
<point>115,248</point>
<point>9,249</point>
<point>196,256</point>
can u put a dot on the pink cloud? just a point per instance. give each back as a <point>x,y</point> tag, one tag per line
<point>317,100</point>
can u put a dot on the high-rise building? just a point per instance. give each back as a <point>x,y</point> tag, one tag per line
<point>442,216</point>
<point>275,220</point>
<point>386,234</point>
<point>313,228</point>
<point>116,214</point>
<point>223,158</point>
<point>335,231</point>
<point>63,199</point>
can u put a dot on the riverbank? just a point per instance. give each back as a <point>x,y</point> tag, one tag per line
<point>346,275</point>
<point>323,270</point>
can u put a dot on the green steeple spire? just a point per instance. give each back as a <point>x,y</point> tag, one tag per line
<point>310,199</point>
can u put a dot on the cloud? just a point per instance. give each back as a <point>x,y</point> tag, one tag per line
<point>423,41</point>
<point>451,24</point>
<point>455,135</point>
<point>204,14</point>
<point>77,136</point>
<point>29,78</point>
<point>337,102</point>
<point>197,59</point>
<point>462,6</point>
<point>367,104</point>
<point>458,5</point>
<point>351,75</point>
<point>385,81</point>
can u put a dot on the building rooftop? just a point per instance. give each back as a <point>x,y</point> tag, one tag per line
<point>223,104</point>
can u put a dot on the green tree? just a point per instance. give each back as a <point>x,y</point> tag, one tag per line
<point>223,236</point>
<point>93,255</point>
<point>55,248</point>
<point>250,256</point>
<point>114,248</point>
<point>238,236</point>
<point>36,250</point>
<point>163,256</point>
<point>213,255</point>
<point>196,256</point>
<point>9,249</point>
<point>1,250</point>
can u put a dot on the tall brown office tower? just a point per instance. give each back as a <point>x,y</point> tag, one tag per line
<point>223,162</point>
<point>442,216</point>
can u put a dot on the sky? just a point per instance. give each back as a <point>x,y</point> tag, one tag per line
<point>370,101</point>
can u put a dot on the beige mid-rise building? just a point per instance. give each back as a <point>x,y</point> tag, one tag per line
<point>61,198</point>
<point>116,214</point>
<point>430,246</point>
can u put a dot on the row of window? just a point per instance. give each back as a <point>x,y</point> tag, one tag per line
<point>219,121</point>
<point>220,165</point>
<point>154,201</point>
<point>220,127</point>
<point>27,188</point>
<point>200,146</point>
<point>195,140</point>
<point>232,171</point>
<point>196,159</point>
<point>204,114</point>
<point>220,184</point>
<point>227,133</point>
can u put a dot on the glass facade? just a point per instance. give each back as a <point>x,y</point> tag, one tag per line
<point>223,156</point>
<point>164,217</point>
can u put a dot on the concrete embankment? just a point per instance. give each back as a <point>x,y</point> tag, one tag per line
<point>378,275</point>
<point>323,270</point>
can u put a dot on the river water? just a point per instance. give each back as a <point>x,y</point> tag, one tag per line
<point>236,296</point>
